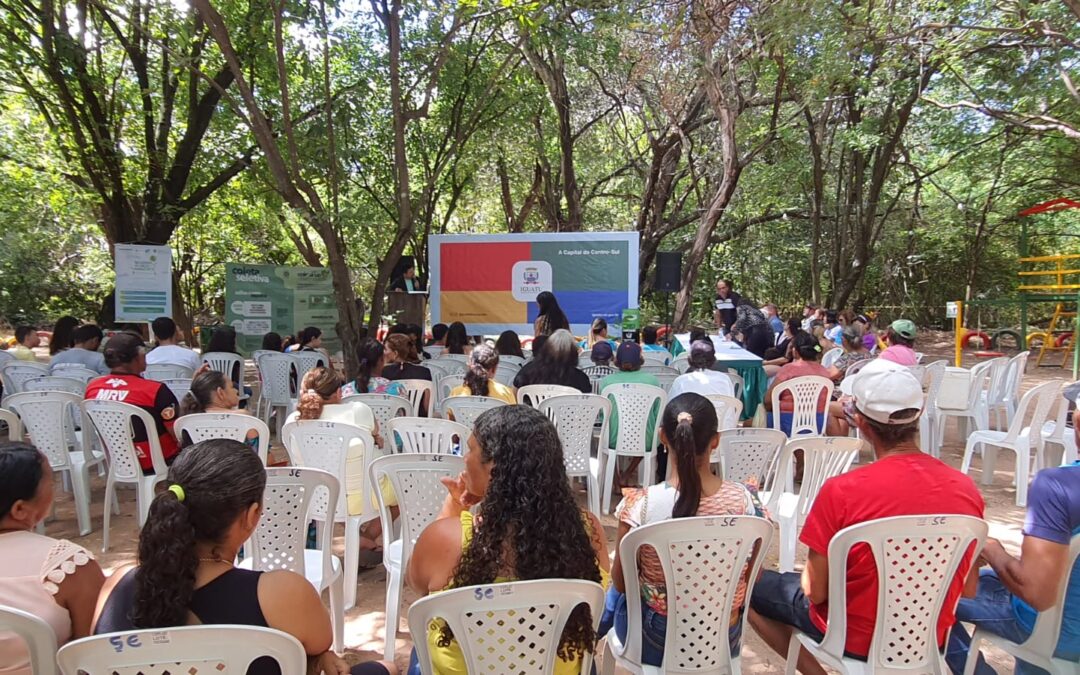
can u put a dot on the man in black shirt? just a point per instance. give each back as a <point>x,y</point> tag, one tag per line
<point>727,301</point>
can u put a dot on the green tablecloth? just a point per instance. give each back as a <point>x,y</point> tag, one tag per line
<point>752,373</point>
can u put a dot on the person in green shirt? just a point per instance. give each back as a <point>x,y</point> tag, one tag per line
<point>628,360</point>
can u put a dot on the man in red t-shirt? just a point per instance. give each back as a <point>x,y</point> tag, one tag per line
<point>903,481</point>
<point>125,355</point>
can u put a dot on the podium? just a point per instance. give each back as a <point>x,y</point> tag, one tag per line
<point>407,307</point>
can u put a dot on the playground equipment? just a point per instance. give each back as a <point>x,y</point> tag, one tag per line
<point>1063,290</point>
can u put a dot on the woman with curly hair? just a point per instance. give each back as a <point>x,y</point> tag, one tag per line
<point>186,576</point>
<point>480,377</point>
<point>514,470</point>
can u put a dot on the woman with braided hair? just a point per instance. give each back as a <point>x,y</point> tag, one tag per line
<point>527,526</point>
<point>480,377</point>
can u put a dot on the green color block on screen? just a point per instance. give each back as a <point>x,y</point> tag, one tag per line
<point>585,265</point>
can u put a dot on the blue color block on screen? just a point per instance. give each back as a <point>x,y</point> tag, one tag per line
<point>584,306</point>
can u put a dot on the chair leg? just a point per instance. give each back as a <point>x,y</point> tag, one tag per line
<point>80,483</point>
<point>989,461</point>
<point>969,452</point>
<point>352,560</point>
<point>1023,468</point>
<point>610,460</point>
<point>792,655</point>
<point>592,490</point>
<point>973,653</point>
<point>337,614</point>
<point>144,494</point>
<point>788,517</point>
<point>393,604</point>
<point>110,499</point>
<point>608,666</point>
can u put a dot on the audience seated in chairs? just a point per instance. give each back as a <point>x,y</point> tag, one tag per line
<point>515,477</point>
<point>185,573</point>
<point>554,362</point>
<point>480,377</point>
<point>902,481</point>
<point>807,353</point>
<point>53,579</point>
<point>212,392</point>
<point>169,351</point>
<point>85,350</point>
<point>701,378</point>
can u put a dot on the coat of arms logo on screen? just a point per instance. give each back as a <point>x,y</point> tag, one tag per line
<point>529,278</point>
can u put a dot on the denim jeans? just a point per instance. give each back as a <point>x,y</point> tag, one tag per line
<point>991,609</point>
<point>653,628</point>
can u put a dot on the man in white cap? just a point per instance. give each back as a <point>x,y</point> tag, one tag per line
<point>886,401</point>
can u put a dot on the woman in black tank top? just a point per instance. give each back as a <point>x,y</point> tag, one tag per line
<point>185,574</point>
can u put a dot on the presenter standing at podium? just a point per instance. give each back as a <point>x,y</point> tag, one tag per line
<point>727,302</point>
<point>407,282</point>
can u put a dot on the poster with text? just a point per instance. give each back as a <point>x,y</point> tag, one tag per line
<point>490,282</point>
<point>260,299</point>
<point>143,282</point>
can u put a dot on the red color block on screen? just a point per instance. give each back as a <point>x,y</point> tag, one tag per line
<point>479,266</point>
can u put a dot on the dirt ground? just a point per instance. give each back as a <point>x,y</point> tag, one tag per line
<point>364,623</point>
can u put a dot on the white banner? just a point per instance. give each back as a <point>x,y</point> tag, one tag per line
<point>143,282</point>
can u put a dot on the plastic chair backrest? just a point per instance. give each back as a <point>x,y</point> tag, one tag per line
<point>420,494</point>
<point>634,402</point>
<point>934,375</point>
<point>666,379</point>
<point>748,455</point>
<point>274,373</point>
<point>112,421</point>
<point>510,358</point>
<point>856,367</point>
<point>305,361</point>
<point>977,382</point>
<point>75,371</point>
<point>438,368</point>
<point>225,363</point>
<point>999,367</point>
<point>48,419</point>
<point>738,383</point>
<point>505,374</point>
<point>414,390</point>
<point>465,409</point>
<point>447,384</point>
<point>575,417</point>
<point>16,372</point>
<point>426,435</point>
<point>14,424</point>
<point>917,558</point>
<point>231,425</point>
<point>1047,630</point>
<point>463,358</point>
<point>187,649</point>
<point>806,392</point>
<point>681,363</point>
<point>823,458</point>
<point>56,383</point>
<point>716,548</point>
<point>179,387</point>
<point>384,407</point>
<point>1038,399</point>
<point>324,445</point>
<point>38,636</point>
<point>728,410</point>
<point>831,356</point>
<point>534,394</point>
<point>1015,377</point>
<point>167,371</point>
<point>659,368</point>
<point>289,502</point>
<point>487,623</point>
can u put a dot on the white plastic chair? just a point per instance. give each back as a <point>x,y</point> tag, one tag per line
<point>653,356</point>
<point>75,371</point>
<point>823,458</point>
<point>419,393</point>
<point>933,375</point>
<point>70,385</point>
<point>749,455</point>
<point>666,379</point>
<point>487,623</point>
<point>385,408</point>
<point>234,426</point>
<point>463,358</point>
<point>917,559</point>
<point>831,356</point>
<point>1038,649</point>
<point>227,364</point>
<point>681,363</point>
<point>534,394</point>
<point>295,496</point>
<point>738,384</point>
<point>1014,381</point>
<point>305,361</point>
<point>728,410</point>
<point>505,373</point>
<point>994,396</point>
<point>510,358</point>
<point>38,636</point>
<point>975,412</point>
<point>1058,433</point>
<point>179,387</point>
<point>447,384</point>
<point>422,434</point>
<point>659,369</point>
<point>275,372</point>
<point>704,560</point>
<point>415,479</point>
<point>14,424</point>
<point>14,372</point>
<point>805,392</point>
<point>1019,438</point>
<point>167,371</point>
<point>575,417</point>
<point>186,649</point>
<point>465,409</point>
<point>633,402</point>
<point>112,421</point>
<point>323,445</point>
<point>48,416</point>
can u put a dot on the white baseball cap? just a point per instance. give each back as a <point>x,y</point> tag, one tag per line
<point>883,388</point>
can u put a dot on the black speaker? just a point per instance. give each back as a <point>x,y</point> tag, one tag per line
<point>668,271</point>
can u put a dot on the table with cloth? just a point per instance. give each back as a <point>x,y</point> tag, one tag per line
<point>745,364</point>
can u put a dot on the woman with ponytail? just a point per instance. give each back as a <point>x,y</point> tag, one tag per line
<point>212,392</point>
<point>185,572</point>
<point>480,377</point>
<point>688,428</point>
<point>371,355</point>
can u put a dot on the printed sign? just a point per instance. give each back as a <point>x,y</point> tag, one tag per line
<point>143,282</point>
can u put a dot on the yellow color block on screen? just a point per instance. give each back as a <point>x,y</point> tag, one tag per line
<point>482,307</point>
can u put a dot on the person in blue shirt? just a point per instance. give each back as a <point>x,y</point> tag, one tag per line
<point>648,340</point>
<point>1014,590</point>
<point>773,315</point>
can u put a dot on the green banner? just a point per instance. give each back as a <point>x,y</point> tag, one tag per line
<point>260,299</point>
<point>631,319</point>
